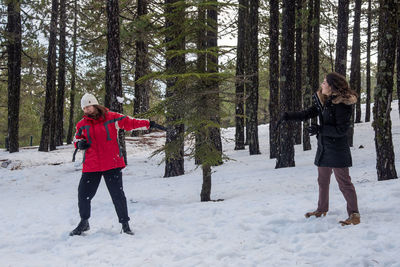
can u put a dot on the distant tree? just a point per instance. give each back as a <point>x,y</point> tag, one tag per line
<point>368,70</point>
<point>398,59</point>
<point>342,35</point>
<point>286,147</point>
<point>273,77</point>
<point>253,78</point>
<point>47,138</point>
<point>73,76</point>
<point>14,50</point>
<point>113,67</point>
<point>61,76</point>
<point>315,33</point>
<point>175,66</point>
<point>240,76</point>
<point>382,123</point>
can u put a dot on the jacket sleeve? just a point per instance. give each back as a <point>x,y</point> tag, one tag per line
<point>128,124</point>
<point>78,135</point>
<point>303,115</point>
<point>342,118</point>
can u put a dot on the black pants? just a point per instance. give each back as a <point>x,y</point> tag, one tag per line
<point>88,187</point>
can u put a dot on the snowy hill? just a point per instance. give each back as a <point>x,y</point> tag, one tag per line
<point>260,223</point>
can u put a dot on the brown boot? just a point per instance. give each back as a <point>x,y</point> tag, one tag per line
<point>315,213</point>
<point>353,219</point>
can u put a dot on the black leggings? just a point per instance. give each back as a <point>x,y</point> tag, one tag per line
<point>88,187</point>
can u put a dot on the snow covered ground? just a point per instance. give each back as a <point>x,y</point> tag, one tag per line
<point>260,223</point>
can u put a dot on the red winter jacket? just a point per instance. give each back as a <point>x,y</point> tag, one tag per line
<point>102,135</point>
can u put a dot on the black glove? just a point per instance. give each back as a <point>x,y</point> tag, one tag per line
<point>283,118</point>
<point>313,129</point>
<point>83,145</point>
<point>154,125</point>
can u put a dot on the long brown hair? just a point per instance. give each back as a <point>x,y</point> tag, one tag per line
<point>100,111</point>
<point>339,84</point>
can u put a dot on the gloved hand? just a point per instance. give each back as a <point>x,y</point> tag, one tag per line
<point>83,145</point>
<point>313,129</point>
<point>283,118</point>
<point>154,125</point>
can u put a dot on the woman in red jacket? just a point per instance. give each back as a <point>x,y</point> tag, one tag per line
<point>97,135</point>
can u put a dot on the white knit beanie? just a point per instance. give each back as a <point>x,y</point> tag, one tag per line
<point>88,100</point>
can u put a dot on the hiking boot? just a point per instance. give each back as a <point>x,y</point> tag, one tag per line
<point>126,229</point>
<point>83,226</point>
<point>315,213</point>
<point>354,218</point>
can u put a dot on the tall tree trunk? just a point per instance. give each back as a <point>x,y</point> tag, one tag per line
<point>398,59</point>
<point>309,89</point>
<point>175,65</point>
<point>142,88</point>
<point>47,137</point>
<point>14,49</point>
<point>286,147</point>
<point>382,124</point>
<point>240,76</point>
<point>254,147</point>
<point>273,77</point>
<point>61,77</point>
<point>299,69</point>
<point>205,194</point>
<point>342,35</point>
<point>368,100</point>
<point>73,77</point>
<point>315,34</point>
<point>113,67</point>
<point>355,74</point>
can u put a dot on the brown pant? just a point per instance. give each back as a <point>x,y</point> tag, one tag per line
<point>345,185</point>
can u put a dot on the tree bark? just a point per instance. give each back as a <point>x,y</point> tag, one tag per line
<point>368,91</point>
<point>113,67</point>
<point>47,138</point>
<point>175,65</point>
<point>73,76</point>
<point>61,77</point>
<point>382,124</point>
<point>342,35</point>
<point>14,49</point>
<point>254,147</point>
<point>286,146</point>
<point>240,76</point>
<point>398,59</point>
<point>299,69</point>
<point>273,77</point>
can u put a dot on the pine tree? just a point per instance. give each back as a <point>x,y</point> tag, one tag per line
<point>240,76</point>
<point>382,123</point>
<point>299,70</point>
<point>286,147</point>
<point>14,50</point>
<point>368,70</point>
<point>175,66</point>
<point>273,77</point>
<point>61,76</point>
<point>73,76</point>
<point>253,78</point>
<point>113,67</point>
<point>342,35</point>
<point>47,138</point>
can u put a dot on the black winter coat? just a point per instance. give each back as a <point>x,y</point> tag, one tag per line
<point>334,120</point>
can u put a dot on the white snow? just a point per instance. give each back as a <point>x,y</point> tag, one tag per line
<point>260,223</point>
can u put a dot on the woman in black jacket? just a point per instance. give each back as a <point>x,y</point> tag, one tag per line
<point>333,106</point>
